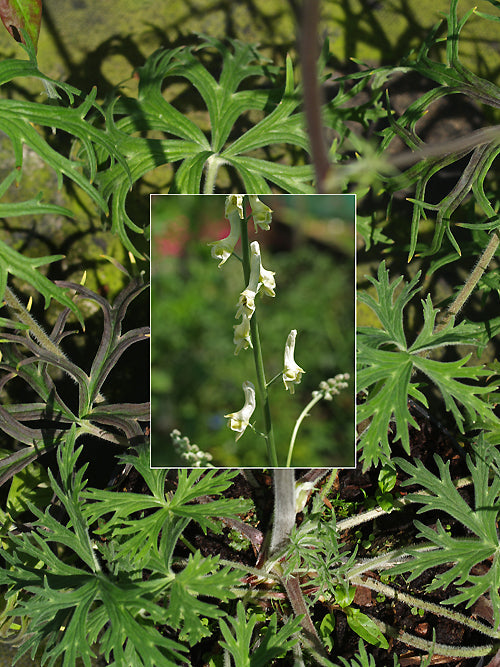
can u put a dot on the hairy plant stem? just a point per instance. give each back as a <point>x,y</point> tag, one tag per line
<point>351,522</point>
<point>257,355</point>
<point>471,282</point>
<point>432,646</point>
<point>35,330</point>
<point>283,523</point>
<point>436,609</point>
<point>212,167</point>
<point>284,508</point>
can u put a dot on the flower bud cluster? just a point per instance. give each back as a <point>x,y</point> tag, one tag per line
<point>332,386</point>
<point>192,454</point>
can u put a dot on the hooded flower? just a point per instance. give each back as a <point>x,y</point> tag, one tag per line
<point>292,373</point>
<point>224,248</point>
<point>238,421</point>
<point>259,277</point>
<point>266,278</point>
<point>242,338</point>
<point>260,212</point>
<point>234,203</point>
<point>246,304</point>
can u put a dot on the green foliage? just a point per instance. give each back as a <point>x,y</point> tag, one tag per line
<point>39,367</point>
<point>272,643</point>
<point>440,493</point>
<point>387,362</point>
<point>365,627</point>
<point>452,78</point>
<point>78,595</point>
<point>225,102</point>
<point>91,572</point>
<point>156,533</point>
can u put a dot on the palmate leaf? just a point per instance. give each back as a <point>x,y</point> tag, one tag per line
<point>225,101</point>
<point>200,576</point>
<point>440,493</point>
<point>149,540</point>
<point>273,643</point>
<point>386,363</point>
<point>167,514</point>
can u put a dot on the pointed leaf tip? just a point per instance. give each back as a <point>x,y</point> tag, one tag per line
<point>20,16</point>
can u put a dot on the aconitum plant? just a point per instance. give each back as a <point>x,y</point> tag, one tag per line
<point>253,421</point>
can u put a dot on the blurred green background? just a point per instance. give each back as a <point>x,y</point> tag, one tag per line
<point>196,378</point>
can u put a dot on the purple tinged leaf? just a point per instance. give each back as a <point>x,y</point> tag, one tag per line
<point>19,15</point>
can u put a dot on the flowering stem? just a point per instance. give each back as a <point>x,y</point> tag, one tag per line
<point>257,354</point>
<point>302,416</point>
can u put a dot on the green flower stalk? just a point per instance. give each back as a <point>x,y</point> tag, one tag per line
<point>238,421</point>
<point>246,333</point>
<point>257,349</point>
<point>327,390</point>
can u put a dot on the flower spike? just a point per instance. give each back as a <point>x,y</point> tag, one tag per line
<point>238,421</point>
<point>292,372</point>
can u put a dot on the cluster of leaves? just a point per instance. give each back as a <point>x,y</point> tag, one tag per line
<point>388,362</point>
<point>95,587</point>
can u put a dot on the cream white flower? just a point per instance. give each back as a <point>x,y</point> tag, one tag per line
<point>246,303</point>
<point>242,338</point>
<point>259,277</point>
<point>234,203</point>
<point>292,372</point>
<point>260,212</point>
<point>238,421</point>
<point>267,281</point>
<point>224,248</point>
<point>258,274</point>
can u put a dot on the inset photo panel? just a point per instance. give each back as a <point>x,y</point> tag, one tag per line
<point>252,331</point>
